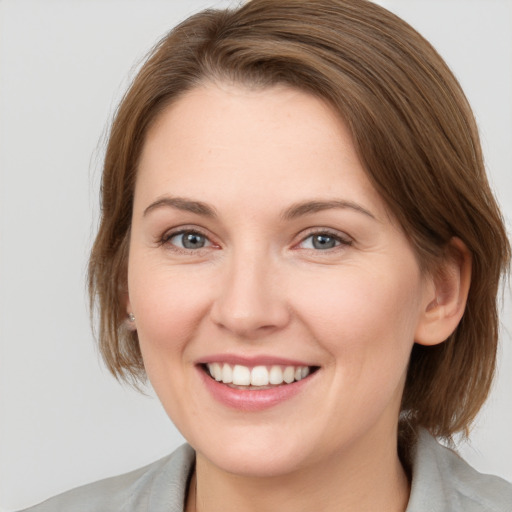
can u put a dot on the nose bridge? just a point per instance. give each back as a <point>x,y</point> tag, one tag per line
<point>249,301</point>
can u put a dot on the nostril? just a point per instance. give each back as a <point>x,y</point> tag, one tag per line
<point>250,323</point>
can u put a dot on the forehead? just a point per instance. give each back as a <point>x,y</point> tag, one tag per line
<point>220,115</point>
<point>220,140</point>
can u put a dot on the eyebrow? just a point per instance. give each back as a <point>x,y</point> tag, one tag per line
<point>308,207</point>
<point>184,204</point>
<point>294,211</point>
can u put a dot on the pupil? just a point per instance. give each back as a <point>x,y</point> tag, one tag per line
<point>193,241</point>
<point>323,242</point>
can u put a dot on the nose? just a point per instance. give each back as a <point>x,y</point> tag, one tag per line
<point>250,302</point>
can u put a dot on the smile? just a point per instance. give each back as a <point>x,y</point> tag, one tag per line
<point>257,377</point>
<point>255,384</point>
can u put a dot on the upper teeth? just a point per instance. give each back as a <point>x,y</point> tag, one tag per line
<point>258,375</point>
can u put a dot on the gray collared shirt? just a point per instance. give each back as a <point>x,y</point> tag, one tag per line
<point>441,482</point>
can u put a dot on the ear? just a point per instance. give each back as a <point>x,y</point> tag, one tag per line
<point>446,296</point>
<point>130,318</point>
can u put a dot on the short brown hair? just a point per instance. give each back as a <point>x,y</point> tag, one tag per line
<point>415,135</point>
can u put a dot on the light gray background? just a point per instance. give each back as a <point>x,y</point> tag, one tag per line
<point>63,67</point>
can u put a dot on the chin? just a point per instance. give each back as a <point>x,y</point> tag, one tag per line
<point>254,455</point>
<point>255,462</point>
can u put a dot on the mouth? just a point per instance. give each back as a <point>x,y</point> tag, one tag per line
<point>260,377</point>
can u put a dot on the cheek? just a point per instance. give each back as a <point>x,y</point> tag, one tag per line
<point>364,315</point>
<point>168,305</point>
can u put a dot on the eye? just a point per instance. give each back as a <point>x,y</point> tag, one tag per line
<point>323,241</point>
<point>188,240</point>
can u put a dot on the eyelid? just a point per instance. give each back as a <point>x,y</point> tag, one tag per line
<point>343,239</point>
<point>207,241</point>
<point>179,230</point>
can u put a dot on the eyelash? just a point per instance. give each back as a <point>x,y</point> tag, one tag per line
<point>168,236</point>
<point>341,241</point>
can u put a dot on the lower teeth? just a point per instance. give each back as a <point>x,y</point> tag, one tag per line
<point>245,388</point>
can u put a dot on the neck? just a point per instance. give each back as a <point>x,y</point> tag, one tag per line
<point>364,478</point>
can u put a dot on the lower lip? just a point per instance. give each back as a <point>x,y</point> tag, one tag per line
<point>252,399</point>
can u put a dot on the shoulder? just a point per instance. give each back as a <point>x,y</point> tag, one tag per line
<point>443,482</point>
<point>160,486</point>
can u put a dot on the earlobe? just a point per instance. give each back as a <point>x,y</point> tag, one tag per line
<point>130,317</point>
<point>446,296</point>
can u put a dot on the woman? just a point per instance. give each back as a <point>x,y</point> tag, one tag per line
<point>294,249</point>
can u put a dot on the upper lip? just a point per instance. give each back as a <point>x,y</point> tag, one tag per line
<point>251,361</point>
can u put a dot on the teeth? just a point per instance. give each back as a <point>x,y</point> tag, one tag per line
<point>259,376</point>
<point>240,375</point>
<point>276,375</point>
<point>227,374</point>
<point>289,374</point>
<point>217,372</point>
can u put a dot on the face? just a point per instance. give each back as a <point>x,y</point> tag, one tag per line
<point>276,300</point>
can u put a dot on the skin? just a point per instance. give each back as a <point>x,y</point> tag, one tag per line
<point>260,287</point>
